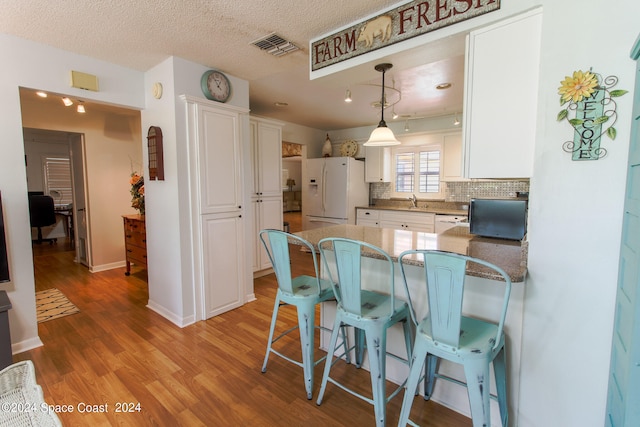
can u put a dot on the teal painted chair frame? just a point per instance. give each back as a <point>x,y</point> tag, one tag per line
<point>444,333</point>
<point>303,292</point>
<point>367,311</point>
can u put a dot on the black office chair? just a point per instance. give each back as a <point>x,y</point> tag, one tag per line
<point>41,214</point>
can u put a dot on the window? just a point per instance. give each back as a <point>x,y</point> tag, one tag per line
<point>57,179</point>
<point>417,171</point>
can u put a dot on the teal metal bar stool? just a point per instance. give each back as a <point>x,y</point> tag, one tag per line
<point>303,292</point>
<point>370,312</point>
<point>444,333</point>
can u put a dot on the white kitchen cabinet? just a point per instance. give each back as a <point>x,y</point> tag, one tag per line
<point>266,198</point>
<point>501,91</point>
<point>412,221</point>
<point>452,161</point>
<point>223,261</point>
<point>267,213</point>
<point>368,217</point>
<point>266,156</point>
<point>217,225</point>
<point>377,165</point>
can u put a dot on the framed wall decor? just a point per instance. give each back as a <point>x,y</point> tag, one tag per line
<point>156,160</point>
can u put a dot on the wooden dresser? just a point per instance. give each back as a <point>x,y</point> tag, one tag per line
<point>135,241</point>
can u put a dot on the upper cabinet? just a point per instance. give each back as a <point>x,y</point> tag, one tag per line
<point>266,146</point>
<point>452,161</point>
<point>501,92</point>
<point>377,165</point>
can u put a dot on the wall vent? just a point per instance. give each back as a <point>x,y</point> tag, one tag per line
<point>275,45</point>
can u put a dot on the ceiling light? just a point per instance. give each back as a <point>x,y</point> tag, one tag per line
<point>280,104</point>
<point>406,125</point>
<point>41,94</point>
<point>382,135</point>
<point>347,97</point>
<point>443,86</point>
<point>395,115</point>
<point>456,120</point>
<point>80,107</point>
<point>67,102</point>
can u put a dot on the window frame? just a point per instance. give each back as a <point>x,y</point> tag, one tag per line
<point>416,149</point>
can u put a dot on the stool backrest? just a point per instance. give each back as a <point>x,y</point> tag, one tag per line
<point>276,243</point>
<point>347,254</point>
<point>444,274</point>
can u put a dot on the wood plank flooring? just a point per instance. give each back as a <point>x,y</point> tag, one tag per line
<point>118,354</point>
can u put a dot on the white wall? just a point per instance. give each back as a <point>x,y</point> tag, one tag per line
<point>27,61</point>
<point>113,146</point>
<point>574,223</point>
<point>172,290</point>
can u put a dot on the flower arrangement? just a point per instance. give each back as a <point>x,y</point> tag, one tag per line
<point>137,192</point>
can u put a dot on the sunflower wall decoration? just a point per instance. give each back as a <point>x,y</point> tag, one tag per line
<point>589,107</point>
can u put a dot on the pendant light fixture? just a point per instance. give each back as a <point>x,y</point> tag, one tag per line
<point>382,135</point>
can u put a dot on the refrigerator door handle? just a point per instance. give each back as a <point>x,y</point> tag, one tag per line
<point>324,186</point>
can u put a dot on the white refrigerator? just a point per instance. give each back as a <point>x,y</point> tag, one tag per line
<point>334,187</point>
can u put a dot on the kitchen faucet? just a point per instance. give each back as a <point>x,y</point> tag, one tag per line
<point>414,201</point>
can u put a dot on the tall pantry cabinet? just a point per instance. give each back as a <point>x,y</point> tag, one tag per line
<point>216,178</point>
<point>266,196</point>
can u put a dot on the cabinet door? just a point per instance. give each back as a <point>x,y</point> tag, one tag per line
<point>377,166</point>
<point>267,213</point>
<point>501,94</point>
<point>452,168</point>
<point>219,160</point>
<point>222,261</point>
<point>269,158</point>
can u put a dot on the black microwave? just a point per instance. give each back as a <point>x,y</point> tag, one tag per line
<point>498,218</point>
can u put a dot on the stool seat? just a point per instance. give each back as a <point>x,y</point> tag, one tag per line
<point>444,333</point>
<point>370,313</point>
<point>304,292</point>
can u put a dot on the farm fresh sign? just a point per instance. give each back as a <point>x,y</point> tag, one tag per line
<point>401,23</point>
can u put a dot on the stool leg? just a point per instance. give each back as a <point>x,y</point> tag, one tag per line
<point>274,317</point>
<point>377,350</point>
<point>417,362</point>
<point>306,323</point>
<point>337,324</point>
<point>430,375</point>
<point>477,374</point>
<point>500,370</point>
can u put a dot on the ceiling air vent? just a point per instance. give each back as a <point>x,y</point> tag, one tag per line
<point>275,45</point>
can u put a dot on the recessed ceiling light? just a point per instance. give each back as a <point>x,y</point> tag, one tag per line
<point>280,104</point>
<point>443,86</point>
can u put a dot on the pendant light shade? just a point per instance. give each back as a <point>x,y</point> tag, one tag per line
<point>382,136</point>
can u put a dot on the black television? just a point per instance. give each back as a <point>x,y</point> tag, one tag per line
<point>498,218</point>
<point>4,260</point>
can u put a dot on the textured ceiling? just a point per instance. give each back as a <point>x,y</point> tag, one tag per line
<point>140,34</point>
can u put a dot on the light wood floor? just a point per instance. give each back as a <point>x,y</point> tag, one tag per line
<point>116,351</point>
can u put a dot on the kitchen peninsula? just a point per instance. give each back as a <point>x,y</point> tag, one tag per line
<point>483,294</point>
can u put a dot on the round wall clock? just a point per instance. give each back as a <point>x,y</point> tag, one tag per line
<point>215,86</point>
<point>349,148</point>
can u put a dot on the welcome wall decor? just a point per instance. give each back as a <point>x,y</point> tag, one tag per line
<point>401,23</point>
<point>588,105</point>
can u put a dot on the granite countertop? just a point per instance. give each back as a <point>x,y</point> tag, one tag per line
<point>511,256</point>
<point>425,209</point>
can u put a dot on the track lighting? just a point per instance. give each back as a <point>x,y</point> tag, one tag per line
<point>382,135</point>
<point>80,107</point>
<point>67,102</point>
<point>41,94</point>
<point>456,121</point>
<point>347,97</point>
<point>406,125</point>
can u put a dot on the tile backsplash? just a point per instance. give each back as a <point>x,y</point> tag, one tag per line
<point>464,191</point>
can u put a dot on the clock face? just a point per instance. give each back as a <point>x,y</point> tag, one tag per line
<point>216,86</point>
<point>349,148</point>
